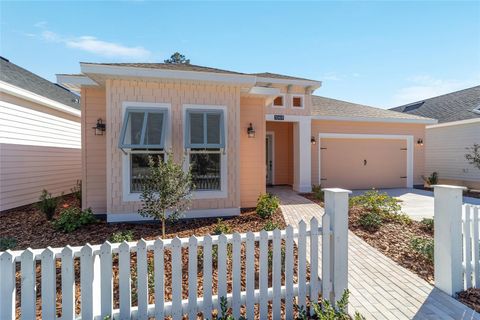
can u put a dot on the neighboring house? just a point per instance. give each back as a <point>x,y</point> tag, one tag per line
<point>39,137</point>
<point>239,132</point>
<point>458,128</point>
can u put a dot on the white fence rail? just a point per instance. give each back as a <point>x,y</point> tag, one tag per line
<point>456,239</point>
<point>131,280</point>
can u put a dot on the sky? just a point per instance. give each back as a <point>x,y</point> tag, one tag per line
<point>378,53</point>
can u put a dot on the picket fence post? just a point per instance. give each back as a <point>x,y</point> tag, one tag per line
<point>448,267</point>
<point>336,207</point>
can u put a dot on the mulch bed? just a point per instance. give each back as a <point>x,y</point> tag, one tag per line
<point>471,298</point>
<point>31,229</point>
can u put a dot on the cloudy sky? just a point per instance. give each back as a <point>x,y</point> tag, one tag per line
<point>382,54</point>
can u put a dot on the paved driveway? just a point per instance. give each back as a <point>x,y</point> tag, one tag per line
<point>418,204</point>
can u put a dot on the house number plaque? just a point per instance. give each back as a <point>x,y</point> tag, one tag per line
<point>278,117</point>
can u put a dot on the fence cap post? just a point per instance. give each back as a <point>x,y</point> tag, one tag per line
<point>336,190</point>
<point>447,186</point>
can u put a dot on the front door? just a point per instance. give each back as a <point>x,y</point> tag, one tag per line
<point>269,158</point>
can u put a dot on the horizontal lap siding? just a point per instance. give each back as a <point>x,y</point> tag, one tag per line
<point>39,149</point>
<point>94,151</point>
<point>445,153</point>
<point>177,95</point>
<point>252,151</point>
<point>353,127</point>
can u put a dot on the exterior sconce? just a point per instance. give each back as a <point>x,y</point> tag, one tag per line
<point>312,140</point>
<point>420,141</point>
<point>99,128</point>
<point>251,131</point>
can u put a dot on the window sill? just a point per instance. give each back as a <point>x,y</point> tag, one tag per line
<point>129,197</point>
<point>217,194</point>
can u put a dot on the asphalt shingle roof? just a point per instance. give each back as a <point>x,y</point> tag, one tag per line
<point>22,78</point>
<point>322,106</point>
<point>449,107</point>
<point>193,67</point>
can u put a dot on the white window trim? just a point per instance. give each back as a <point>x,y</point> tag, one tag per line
<point>217,194</point>
<point>302,97</point>
<point>283,99</point>
<point>128,196</point>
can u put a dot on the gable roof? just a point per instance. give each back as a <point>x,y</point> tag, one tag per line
<point>278,76</point>
<point>455,106</point>
<point>24,79</point>
<point>333,109</point>
<point>167,66</point>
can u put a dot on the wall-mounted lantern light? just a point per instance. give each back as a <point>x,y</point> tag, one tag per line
<point>99,128</point>
<point>251,131</point>
<point>312,140</point>
<point>420,141</point>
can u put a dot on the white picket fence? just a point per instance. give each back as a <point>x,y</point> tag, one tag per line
<point>294,253</point>
<point>456,240</point>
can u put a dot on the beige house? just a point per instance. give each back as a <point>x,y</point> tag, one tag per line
<point>239,133</point>
<point>458,128</point>
<point>39,137</point>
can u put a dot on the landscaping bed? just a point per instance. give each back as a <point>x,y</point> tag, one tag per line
<point>470,298</point>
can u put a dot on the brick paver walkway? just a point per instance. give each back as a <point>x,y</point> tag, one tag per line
<point>380,288</point>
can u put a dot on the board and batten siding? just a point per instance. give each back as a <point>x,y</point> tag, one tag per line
<point>445,152</point>
<point>40,148</point>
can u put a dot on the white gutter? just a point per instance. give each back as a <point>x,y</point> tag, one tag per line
<point>87,68</point>
<point>374,119</point>
<point>28,95</point>
<point>454,123</point>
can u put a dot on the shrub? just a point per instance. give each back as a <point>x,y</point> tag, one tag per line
<point>47,204</point>
<point>431,179</point>
<point>7,243</point>
<point>423,246</point>
<point>370,221</point>
<point>427,224</point>
<point>317,192</point>
<point>270,226</point>
<point>77,191</point>
<point>121,236</point>
<point>267,205</point>
<point>221,227</point>
<point>377,202</point>
<point>73,218</point>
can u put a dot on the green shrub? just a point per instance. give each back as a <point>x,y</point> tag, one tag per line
<point>73,218</point>
<point>77,191</point>
<point>121,236</point>
<point>424,246</point>
<point>47,204</point>
<point>370,221</point>
<point>270,226</point>
<point>317,192</point>
<point>431,179</point>
<point>7,243</point>
<point>427,224</point>
<point>267,205</point>
<point>377,202</point>
<point>221,227</point>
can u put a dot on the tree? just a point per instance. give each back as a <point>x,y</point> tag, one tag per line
<point>166,190</point>
<point>177,58</point>
<point>473,155</point>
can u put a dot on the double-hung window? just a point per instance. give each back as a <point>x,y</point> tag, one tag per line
<point>205,140</point>
<point>143,135</point>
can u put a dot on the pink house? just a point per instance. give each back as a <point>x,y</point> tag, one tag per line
<point>239,132</point>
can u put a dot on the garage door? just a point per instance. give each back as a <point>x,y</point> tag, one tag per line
<point>363,163</point>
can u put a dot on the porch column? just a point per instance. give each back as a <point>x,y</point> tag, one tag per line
<point>302,158</point>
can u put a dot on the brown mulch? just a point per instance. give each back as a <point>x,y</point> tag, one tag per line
<point>470,298</point>
<point>31,229</point>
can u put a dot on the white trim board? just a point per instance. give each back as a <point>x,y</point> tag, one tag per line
<point>30,96</point>
<point>407,138</point>
<point>454,123</point>
<point>192,214</point>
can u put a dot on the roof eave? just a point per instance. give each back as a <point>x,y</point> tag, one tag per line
<point>149,73</point>
<point>75,82</point>
<point>375,119</point>
<point>296,82</point>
